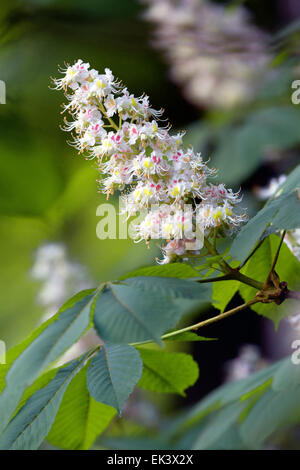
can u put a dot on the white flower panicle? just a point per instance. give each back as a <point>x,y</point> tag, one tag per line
<point>139,157</point>
<point>214,52</point>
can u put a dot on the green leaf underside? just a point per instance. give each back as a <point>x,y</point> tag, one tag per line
<point>39,383</point>
<point>43,347</point>
<point>30,426</point>
<point>281,212</point>
<point>166,372</point>
<point>271,412</point>
<point>223,292</point>
<point>218,426</point>
<point>16,351</point>
<point>249,410</point>
<point>80,418</point>
<point>113,374</point>
<point>188,336</point>
<point>143,308</point>
<point>176,270</point>
<point>222,396</point>
<point>287,376</point>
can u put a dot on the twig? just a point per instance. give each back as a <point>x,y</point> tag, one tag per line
<point>278,251</point>
<point>272,276</point>
<point>293,295</point>
<point>209,321</point>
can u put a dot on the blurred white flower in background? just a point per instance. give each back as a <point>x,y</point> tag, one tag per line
<point>60,277</point>
<point>140,410</point>
<point>265,192</point>
<point>215,53</point>
<point>248,361</point>
<point>292,239</point>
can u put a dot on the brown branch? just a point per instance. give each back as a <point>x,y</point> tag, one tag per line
<point>290,294</point>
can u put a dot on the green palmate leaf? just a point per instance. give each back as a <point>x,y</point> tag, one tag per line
<point>166,372</point>
<point>16,351</point>
<point>179,270</point>
<point>287,376</point>
<point>80,418</point>
<point>219,429</point>
<point>281,212</point>
<point>221,397</point>
<point>223,292</point>
<point>289,185</point>
<point>218,426</point>
<point>229,440</point>
<point>143,308</point>
<point>188,336</point>
<point>113,374</point>
<point>270,413</point>
<point>170,287</point>
<point>253,408</point>
<point>288,215</point>
<point>43,347</point>
<point>287,267</point>
<point>40,382</point>
<point>30,426</point>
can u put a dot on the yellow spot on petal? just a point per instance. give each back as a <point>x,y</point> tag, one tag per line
<point>100,84</point>
<point>148,164</point>
<point>217,214</point>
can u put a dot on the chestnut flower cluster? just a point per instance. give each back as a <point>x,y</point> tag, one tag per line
<point>139,157</point>
<point>215,53</point>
